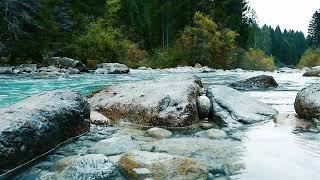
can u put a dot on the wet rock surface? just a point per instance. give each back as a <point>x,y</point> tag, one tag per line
<point>257,82</point>
<point>307,103</point>
<point>34,126</point>
<point>65,63</point>
<point>167,102</point>
<point>91,166</point>
<point>234,108</point>
<point>159,133</point>
<point>112,68</point>
<point>313,72</point>
<point>161,166</point>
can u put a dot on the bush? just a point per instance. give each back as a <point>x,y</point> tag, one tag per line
<point>205,43</point>
<point>255,59</point>
<point>310,58</point>
<point>106,44</point>
<point>167,58</point>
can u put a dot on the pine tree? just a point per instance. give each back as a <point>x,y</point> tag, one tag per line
<point>314,30</point>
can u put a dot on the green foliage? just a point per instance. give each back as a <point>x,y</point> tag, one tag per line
<point>104,43</point>
<point>255,59</point>
<point>310,58</point>
<point>287,47</point>
<point>204,43</point>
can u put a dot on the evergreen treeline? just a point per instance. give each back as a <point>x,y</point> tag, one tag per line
<point>159,33</point>
<point>286,47</point>
<point>312,55</point>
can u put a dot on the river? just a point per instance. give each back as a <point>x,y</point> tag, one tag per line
<point>271,150</point>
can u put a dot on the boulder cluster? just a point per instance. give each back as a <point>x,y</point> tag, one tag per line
<point>63,65</point>
<point>42,122</point>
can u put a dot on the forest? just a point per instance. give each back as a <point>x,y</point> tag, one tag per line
<point>155,33</point>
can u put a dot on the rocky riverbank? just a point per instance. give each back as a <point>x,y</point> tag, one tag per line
<point>167,128</point>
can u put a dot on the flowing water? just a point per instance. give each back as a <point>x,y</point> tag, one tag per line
<point>280,149</point>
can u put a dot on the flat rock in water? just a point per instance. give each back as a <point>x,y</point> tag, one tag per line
<point>161,166</point>
<point>313,72</point>
<point>216,154</point>
<point>167,102</point>
<point>233,107</point>
<point>112,68</point>
<point>307,103</point>
<point>35,125</point>
<point>257,82</point>
<point>159,132</point>
<point>91,166</point>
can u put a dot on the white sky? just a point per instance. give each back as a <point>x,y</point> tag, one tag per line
<point>289,14</point>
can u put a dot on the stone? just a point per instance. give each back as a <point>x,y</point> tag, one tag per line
<point>162,166</point>
<point>6,70</point>
<point>99,119</point>
<point>307,102</point>
<point>207,125</point>
<point>221,155</point>
<point>254,83</point>
<point>37,124</point>
<point>114,146</point>
<point>65,63</point>
<point>215,134</point>
<point>166,102</point>
<point>313,72</point>
<point>159,133</point>
<point>204,106</point>
<point>112,68</point>
<point>91,166</point>
<point>234,108</point>
<point>198,65</point>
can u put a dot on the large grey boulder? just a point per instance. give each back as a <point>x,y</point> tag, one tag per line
<point>307,103</point>
<point>112,68</point>
<point>161,166</point>
<point>257,82</point>
<point>37,124</point>
<point>233,107</point>
<point>65,63</point>
<point>91,166</point>
<point>166,102</point>
<point>313,72</point>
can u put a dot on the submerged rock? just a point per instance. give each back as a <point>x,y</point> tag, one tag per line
<point>233,107</point>
<point>91,166</point>
<point>35,125</point>
<point>161,166</point>
<point>159,133</point>
<point>257,82</point>
<point>115,146</point>
<point>307,103</point>
<point>65,63</point>
<point>112,68</point>
<point>167,102</point>
<point>221,155</point>
<point>215,134</point>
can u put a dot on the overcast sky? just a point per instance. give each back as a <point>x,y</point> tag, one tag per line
<point>289,14</point>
